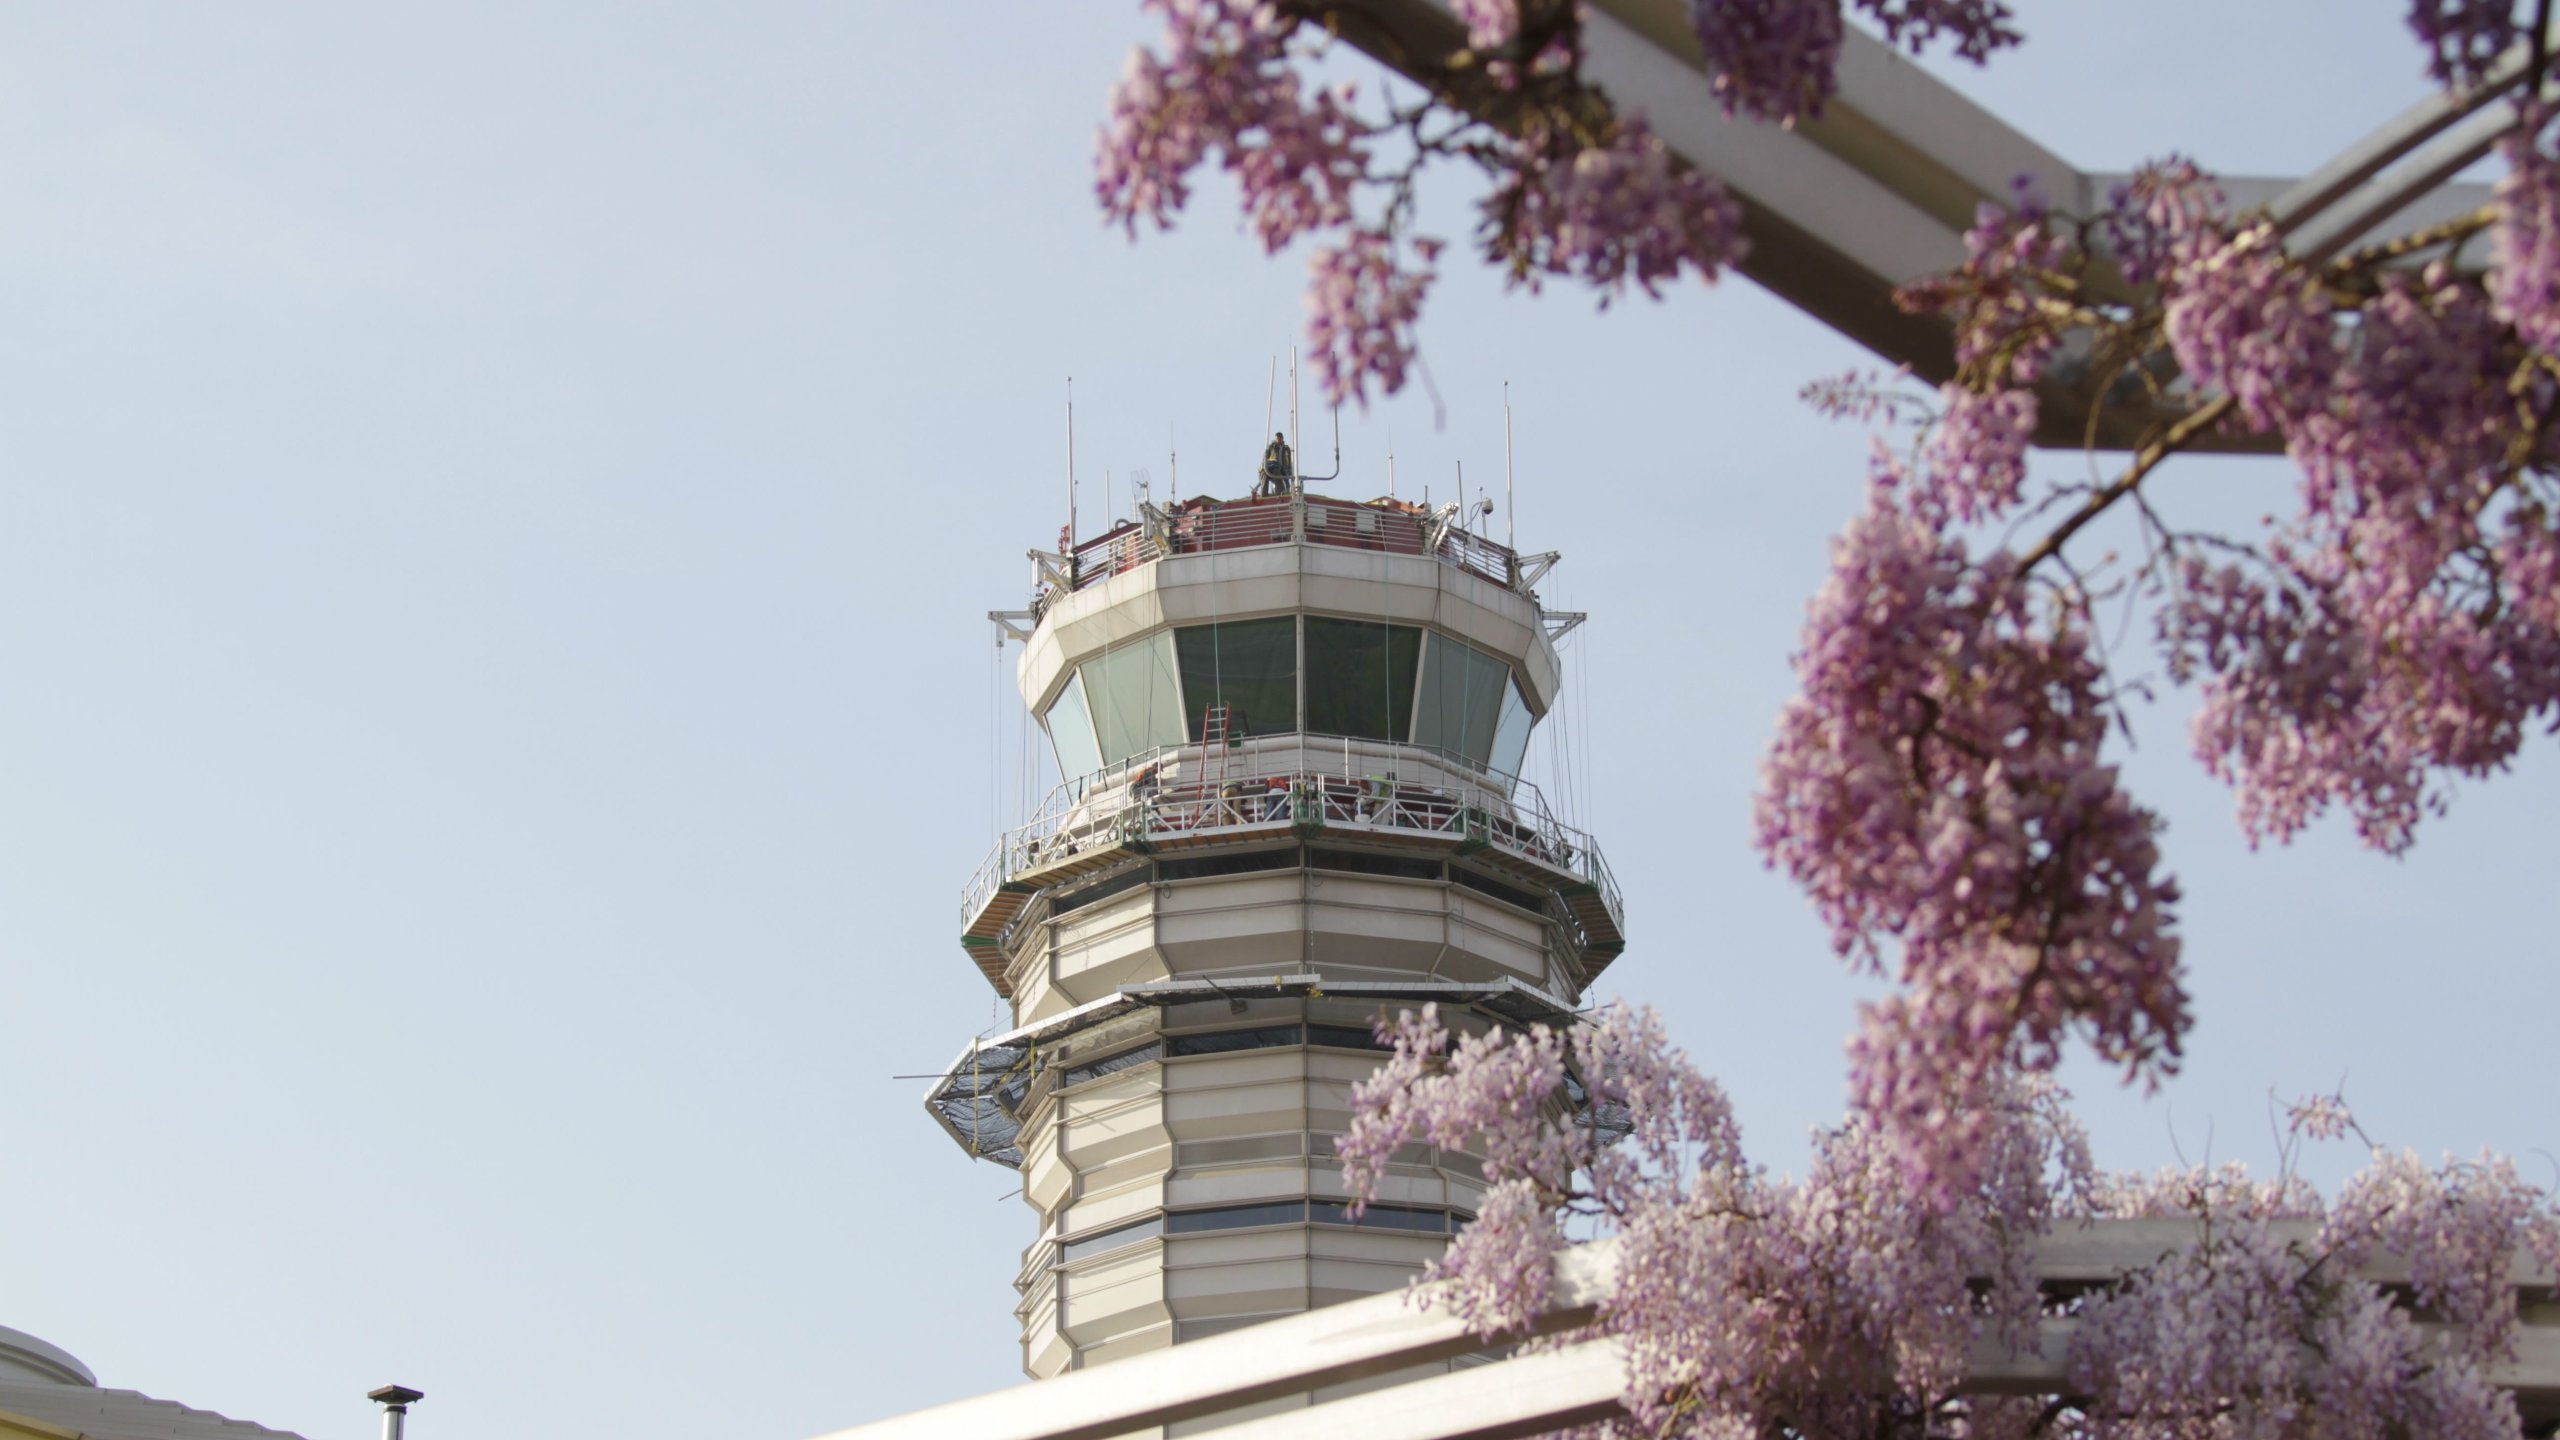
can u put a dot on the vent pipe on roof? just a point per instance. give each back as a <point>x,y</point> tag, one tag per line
<point>395,1401</point>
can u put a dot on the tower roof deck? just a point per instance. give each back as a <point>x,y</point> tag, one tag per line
<point>1384,525</point>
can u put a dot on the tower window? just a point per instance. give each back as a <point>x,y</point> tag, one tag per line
<point>1249,666</point>
<point>1071,731</point>
<point>1462,695</point>
<point>1131,693</point>
<point>1360,678</point>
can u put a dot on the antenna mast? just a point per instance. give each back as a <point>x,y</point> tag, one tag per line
<point>1510,525</point>
<point>1304,477</point>
<point>1071,466</point>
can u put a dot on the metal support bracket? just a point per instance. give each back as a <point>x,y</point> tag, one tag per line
<point>1052,569</point>
<point>1533,568</point>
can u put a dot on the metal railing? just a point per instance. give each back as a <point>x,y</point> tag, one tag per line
<point>1163,797</point>
<point>1248,761</point>
<point>1199,527</point>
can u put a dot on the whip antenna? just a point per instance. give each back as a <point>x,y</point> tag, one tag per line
<point>1510,524</point>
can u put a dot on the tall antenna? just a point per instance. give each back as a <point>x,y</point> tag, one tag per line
<point>1510,522</point>
<point>1391,460</point>
<point>1293,414</point>
<point>1071,464</point>
<point>1172,470</point>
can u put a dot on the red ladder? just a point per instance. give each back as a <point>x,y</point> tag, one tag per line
<point>1214,744</point>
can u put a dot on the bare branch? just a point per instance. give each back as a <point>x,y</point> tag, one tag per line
<point>2169,443</point>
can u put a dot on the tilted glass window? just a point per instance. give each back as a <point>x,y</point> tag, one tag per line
<point>1382,1217</point>
<point>1462,690</point>
<point>1111,1065</point>
<point>1250,666</point>
<point>1071,731</point>
<point>1219,1042</point>
<point>1131,693</point>
<point>1113,1239</point>
<point>1360,678</point>
<point>1511,733</point>
<point>1346,1037</point>
<point>1431,1220</point>
<point>1236,1217</point>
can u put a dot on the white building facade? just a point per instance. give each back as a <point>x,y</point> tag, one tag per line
<point>47,1394</point>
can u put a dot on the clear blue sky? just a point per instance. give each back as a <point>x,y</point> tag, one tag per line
<point>496,508</point>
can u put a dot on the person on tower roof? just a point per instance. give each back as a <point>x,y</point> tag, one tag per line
<point>1279,470</point>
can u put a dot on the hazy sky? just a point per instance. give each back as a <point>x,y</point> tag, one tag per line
<point>497,506</point>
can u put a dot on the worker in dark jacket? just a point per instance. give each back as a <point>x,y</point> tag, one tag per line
<point>1278,469</point>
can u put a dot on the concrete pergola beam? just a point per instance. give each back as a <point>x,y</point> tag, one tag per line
<point>1877,192</point>
<point>1386,1337</point>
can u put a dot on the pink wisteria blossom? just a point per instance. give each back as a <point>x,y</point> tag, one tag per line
<point>1751,1305</point>
<point>1862,397</point>
<point>1999,298</point>
<point>1973,29</point>
<point>2244,322</point>
<point>1775,60</point>
<point>1937,788</point>
<point>1976,462</point>
<point>1611,216</point>
<point>1223,86</point>
<point>2383,636</point>
<point>2464,37</point>
<point>2524,277</point>
<point>2151,216</point>
<point>2320,1117</point>
<point>1769,59</point>
<point>1491,24</point>
<point>1579,189</point>
<point>1362,306</point>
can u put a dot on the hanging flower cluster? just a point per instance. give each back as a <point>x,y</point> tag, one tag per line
<point>1579,190</point>
<point>1751,1305</point>
<point>1937,787</point>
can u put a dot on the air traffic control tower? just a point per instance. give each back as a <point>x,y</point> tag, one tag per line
<point>1293,728</point>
